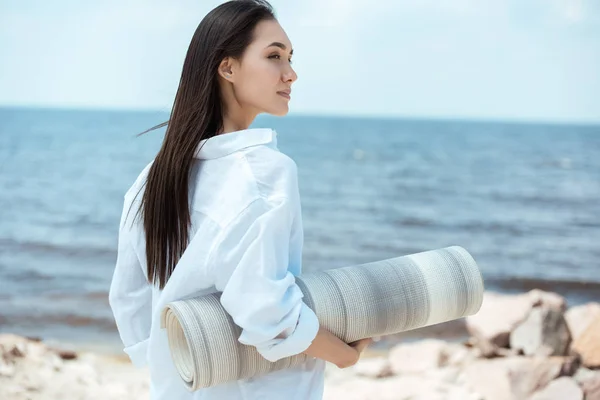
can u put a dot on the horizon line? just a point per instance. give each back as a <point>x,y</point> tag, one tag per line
<point>398,117</point>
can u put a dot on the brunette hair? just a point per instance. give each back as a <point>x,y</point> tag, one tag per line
<point>197,114</point>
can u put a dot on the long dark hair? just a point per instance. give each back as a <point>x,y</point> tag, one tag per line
<point>197,114</point>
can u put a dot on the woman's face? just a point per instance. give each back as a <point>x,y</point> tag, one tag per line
<point>264,74</point>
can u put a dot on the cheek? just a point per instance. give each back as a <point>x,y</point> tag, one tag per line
<point>261,82</point>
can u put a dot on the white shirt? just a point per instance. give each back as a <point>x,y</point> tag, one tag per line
<point>245,241</point>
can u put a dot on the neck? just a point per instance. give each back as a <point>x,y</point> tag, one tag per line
<point>235,117</point>
<point>232,124</point>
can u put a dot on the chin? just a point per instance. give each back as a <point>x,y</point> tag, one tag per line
<point>279,111</point>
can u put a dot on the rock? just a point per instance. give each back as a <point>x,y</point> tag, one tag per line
<point>569,364</point>
<point>512,377</point>
<point>543,333</point>
<point>590,383</point>
<point>401,387</point>
<point>580,317</point>
<point>458,354</point>
<point>488,378</point>
<point>496,318</point>
<point>504,352</point>
<point>67,354</point>
<point>417,357</point>
<point>588,345</point>
<point>591,389</point>
<point>17,350</point>
<point>539,298</point>
<point>536,373</point>
<point>29,369</point>
<point>377,367</point>
<point>583,374</point>
<point>500,313</point>
<point>6,369</point>
<point>560,389</point>
<point>444,374</point>
<point>486,348</point>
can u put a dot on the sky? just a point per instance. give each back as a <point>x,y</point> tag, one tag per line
<point>529,60</point>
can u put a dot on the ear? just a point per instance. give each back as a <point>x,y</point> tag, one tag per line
<point>226,70</point>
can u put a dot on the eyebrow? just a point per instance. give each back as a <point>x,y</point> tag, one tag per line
<point>280,45</point>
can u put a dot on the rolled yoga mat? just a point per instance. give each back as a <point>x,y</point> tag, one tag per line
<point>355,302</point>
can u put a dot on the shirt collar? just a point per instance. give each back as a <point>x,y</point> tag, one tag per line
<point>230,142</point>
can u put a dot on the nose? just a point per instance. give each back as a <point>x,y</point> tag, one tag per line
<point>290,75</point>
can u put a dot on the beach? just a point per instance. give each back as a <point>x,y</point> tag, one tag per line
<point>522,198</point>
<point>513,354</point>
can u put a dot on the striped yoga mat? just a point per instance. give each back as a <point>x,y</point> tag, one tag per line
<point>355,302</point>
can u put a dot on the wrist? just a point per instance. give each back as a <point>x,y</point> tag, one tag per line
<point>350,358</point>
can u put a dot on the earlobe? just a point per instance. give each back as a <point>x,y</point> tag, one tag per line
<point>225,69</point>
<point>226,74</point>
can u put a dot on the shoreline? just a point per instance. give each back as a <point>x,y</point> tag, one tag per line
<point>575,293</point>
<point>485,366</point>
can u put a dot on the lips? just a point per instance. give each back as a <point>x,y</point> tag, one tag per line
<point>285,93</point>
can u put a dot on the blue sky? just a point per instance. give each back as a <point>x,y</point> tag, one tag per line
<point>500,59</point>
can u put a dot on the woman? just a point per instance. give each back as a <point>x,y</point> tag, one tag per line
<point>220,211</point>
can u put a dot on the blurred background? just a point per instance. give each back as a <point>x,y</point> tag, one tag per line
<point>415,125</point>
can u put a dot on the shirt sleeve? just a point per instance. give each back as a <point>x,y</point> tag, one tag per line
<point>250,266</point>
<point>130,296</point>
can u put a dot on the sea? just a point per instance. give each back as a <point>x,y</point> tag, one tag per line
<point>522,198</point>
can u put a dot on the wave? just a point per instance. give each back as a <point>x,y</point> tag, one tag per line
<point>530,283</point>
<point>66,319</point>
<point>46,248</point>
<point>575,291</point>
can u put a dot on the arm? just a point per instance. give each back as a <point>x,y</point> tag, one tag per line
<point>130,296</point>
<point>329,347</point>
<point>249,262</point>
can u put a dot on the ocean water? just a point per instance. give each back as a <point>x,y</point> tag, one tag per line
<point>524,199</point>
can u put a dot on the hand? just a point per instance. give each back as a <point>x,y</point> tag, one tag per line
<point>361,345</point>
<point>358,346</point>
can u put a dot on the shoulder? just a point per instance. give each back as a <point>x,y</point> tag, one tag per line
<point>132,198</point>
<point>138,183</point>
<point>275,173</point>
<point>246,184</point>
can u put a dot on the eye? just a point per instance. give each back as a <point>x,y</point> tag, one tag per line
<point>277,56</point>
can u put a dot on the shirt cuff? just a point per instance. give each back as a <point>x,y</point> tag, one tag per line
<point>138,353</point>
<point>300,340</point>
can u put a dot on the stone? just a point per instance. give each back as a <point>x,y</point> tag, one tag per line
<point>540,298</point>
<point>67,354</point>
<point>569,364</point>
<point>400,387</point>
<point>560,389</point>
<point>543,333</point>
<point>6,369</point>
<point>30,369</point>
<point>17,350</point>
<point>417,357</point>
<point>588,345</point>
<point>458,355</point>
<point>445,374</point>
<point>580,317</point>
<point>512,377</point>
<point>500,313</point>
<point>376,367</point>
<point>504,352</point>
<point>488,378</point>
<point>589,381</point>
<point>535,373</point>
<point>591,389</point>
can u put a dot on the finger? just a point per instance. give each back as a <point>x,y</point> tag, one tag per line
<point>362,345</point>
